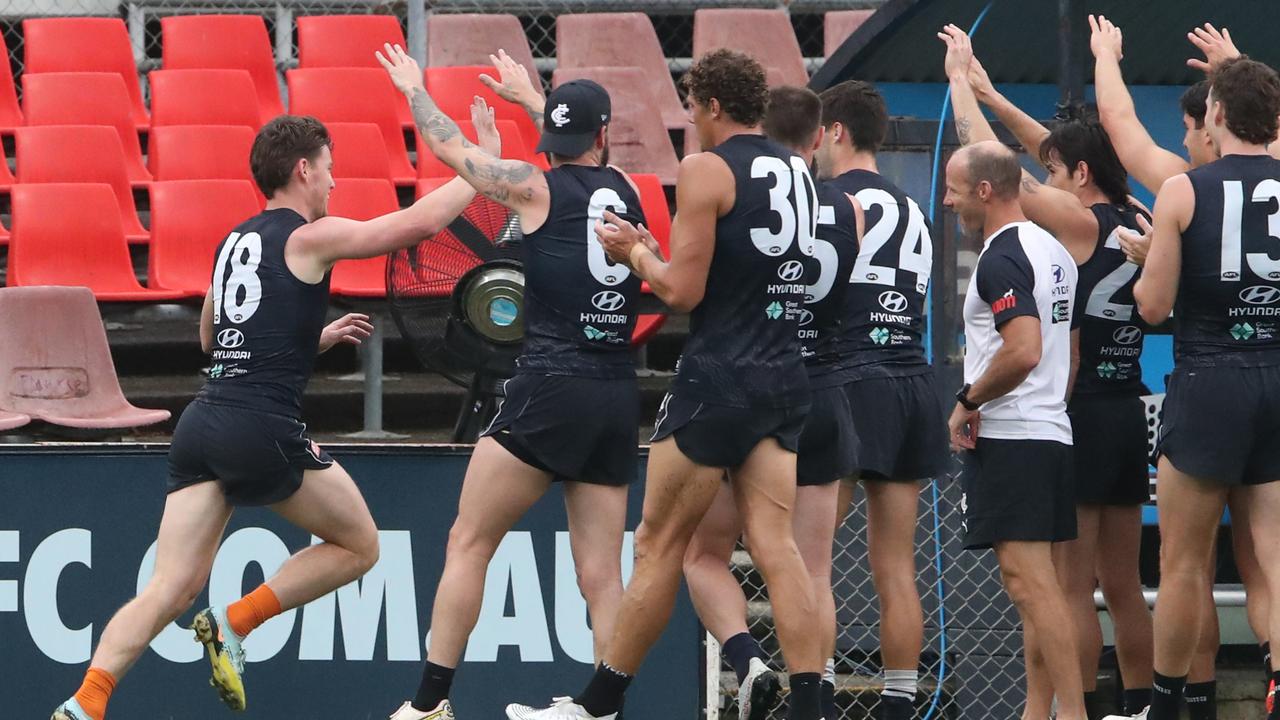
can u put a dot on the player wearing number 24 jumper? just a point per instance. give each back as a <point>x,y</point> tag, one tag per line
<point>242,441</point>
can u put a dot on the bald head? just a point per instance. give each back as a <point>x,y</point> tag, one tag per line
<point>992,162</point>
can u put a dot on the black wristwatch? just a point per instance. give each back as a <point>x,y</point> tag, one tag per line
<point>962,397</point>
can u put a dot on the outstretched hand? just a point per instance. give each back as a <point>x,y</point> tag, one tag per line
<point>513,83</point>
<point>959,51</point>
<point>1216,46</point>
<point>487,136</point>
<point>404,71</point>
<point>1105,39</point>
<point>350,329</point>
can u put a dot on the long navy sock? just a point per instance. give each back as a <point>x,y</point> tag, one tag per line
<point>806,697</point>
<point>1165,693</point>
<point>1202,700</point>
<point>603,695</point>
<point>739,650</point>
<point>436,681</point>
<point>1135,699</point>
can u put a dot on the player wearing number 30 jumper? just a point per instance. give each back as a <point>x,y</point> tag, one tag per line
<point>572,410</point>
<point>241,442</point>
<point>747,211</point>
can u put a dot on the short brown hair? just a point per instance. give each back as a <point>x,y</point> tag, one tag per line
<point>996,164</point>
<point>1194,103</point>
<point>279,146</point>
<point>793,117</point>
<point>1250,94</point>
<point>733,78</point>
<point>860,108</point>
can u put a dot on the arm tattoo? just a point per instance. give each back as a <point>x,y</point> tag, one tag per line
<point>1029,183</point>
<point>537,118</point>
<point>962,130</point>
<point>499,180</point>
<point>430,121</point>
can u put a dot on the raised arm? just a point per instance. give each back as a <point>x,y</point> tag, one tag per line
<point>1157,287</point>
<point>514,86</point>
<point>1028,131</point>
<point>515,184</point>
<point>971,125</point>
<point>681,281</point>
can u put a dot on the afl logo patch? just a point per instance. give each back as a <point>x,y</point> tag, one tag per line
<point>1127,335</point>
<point>893,301</point>
<point>230,338</point>
<point>790,271</point>
<point>1260,295</point>
<point>608,300</point>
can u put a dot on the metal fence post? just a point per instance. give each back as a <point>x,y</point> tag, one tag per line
<point>416,35</point>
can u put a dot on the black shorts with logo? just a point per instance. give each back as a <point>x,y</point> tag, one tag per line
<point>1017,490</point>
<point>1109,445</point>
<point>256,457</point>
<point>1223,424</point>
<point>721,436</point>
<point>902,432</point>
<point>828,443</point>
<point>576,428</point>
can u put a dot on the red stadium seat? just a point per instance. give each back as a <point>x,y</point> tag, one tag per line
<point>349,41</point>
<point>453,89</point>
<point>232,42</point>
<point>10,112</point>
<point>657,217</point>
<point>469,39</point>
<point>620,40</point>
<point>55,364</point>
<point>52,246</point>
<point>188,220</point>
<point>638,140</point>
<point>201,152</point>
<point>86,99</point>
<point>838,25</point>
<point>765,35</point>
<point>84,44</point>
<point>358,151</point>
<point>80,154</point>
<point>6,175</point>
<point>203,97</point>
<point>513,148</point>
<point>354,95</point>
<point>361,199</point>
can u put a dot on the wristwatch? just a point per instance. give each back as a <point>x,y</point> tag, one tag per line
<point>962,397</point>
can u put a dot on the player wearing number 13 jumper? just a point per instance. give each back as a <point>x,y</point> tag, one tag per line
<point>241,442</point>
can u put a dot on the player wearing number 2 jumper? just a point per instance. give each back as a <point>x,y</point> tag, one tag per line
<point>571,412</point>
<point>241,442</point>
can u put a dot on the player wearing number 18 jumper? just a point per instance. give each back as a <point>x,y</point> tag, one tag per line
<point>241,442</point>
<point>571,412</point>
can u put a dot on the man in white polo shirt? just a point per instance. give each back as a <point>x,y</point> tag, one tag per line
<point>1010,421</point>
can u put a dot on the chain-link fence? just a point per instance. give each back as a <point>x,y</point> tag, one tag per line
<point>971,666</point>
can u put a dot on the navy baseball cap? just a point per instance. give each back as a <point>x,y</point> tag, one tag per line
<point>574,113</point>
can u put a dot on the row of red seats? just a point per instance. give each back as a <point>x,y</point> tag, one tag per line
<point>52,245</point>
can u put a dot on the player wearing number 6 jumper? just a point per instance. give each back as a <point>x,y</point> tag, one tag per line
<point>1212,253</point>
<point>241,442</point>
<point>571,412</point>
<point>747,211</point>
<point>1084,204</point>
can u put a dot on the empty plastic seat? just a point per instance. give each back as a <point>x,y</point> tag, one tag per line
<point>84,44</point>
<point>349,41</point>
<point>765,35</point>
<point>513,148</point>
<point>361,199</point>
<point>188,220</point>
<point>620,40</point>
<point>86,99</point>
<point>10,421</point>
<point>79,154</point>
<point>10,111</point>
<point>203,97</point>
<point>453,89</point>
<point>838,25</point>
<point>469,39</point>
<point>361,95</point>
<point>234,42</point>
<point>358,151</point>
<point>55,364</point>
<point>657,215</point>
<point>201,152</point>
<point>53,245</point>
<point>638,139</point>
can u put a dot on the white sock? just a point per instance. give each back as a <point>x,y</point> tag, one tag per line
<point>829,673</point>
<point>901,683</point>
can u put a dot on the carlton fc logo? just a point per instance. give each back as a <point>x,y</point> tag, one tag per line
<point>1260,295</point>
<point>790,271</point>
<point>608,300</point>
<point>560,116</point>
<point>230,338</point>
<point>1127,335</point>
<point>893,301</point>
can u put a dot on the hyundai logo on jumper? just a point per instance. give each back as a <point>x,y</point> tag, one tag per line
<point>893,301</point>
<point>1260,295</point>
<point>1127,335</point>
<point>790,271</point>
<point>230,338</point>
<point>608,300</point>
